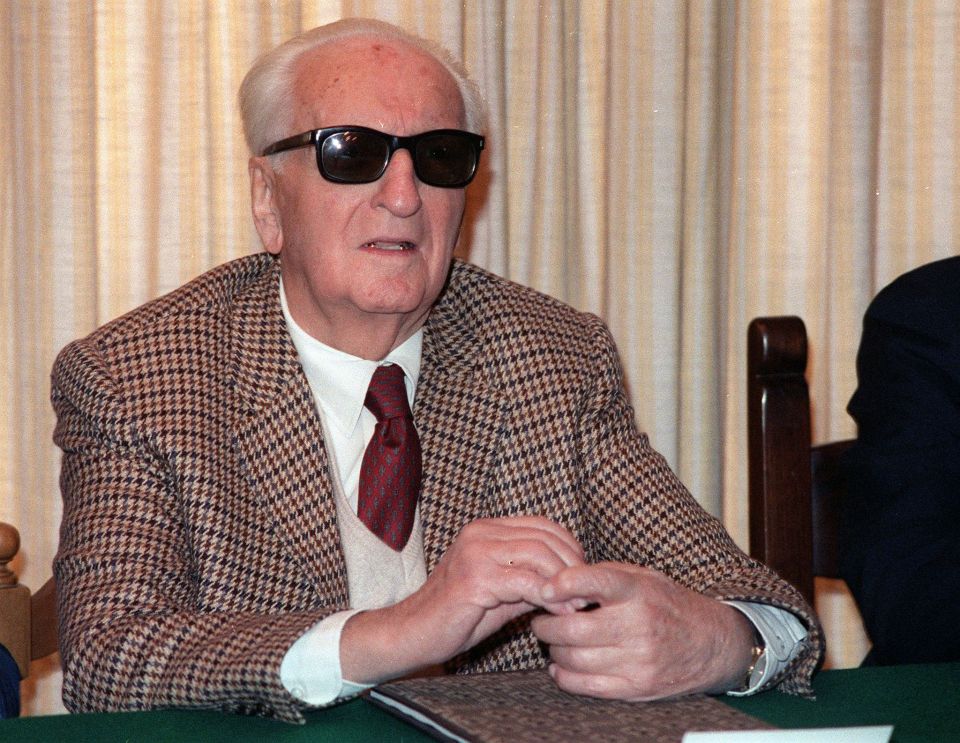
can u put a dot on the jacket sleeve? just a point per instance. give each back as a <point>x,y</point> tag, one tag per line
<point>643,514</point>
<point>131,633</point>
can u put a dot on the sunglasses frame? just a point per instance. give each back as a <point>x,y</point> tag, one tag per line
<point>317,137</point>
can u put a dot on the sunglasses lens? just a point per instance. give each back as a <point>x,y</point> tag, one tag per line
<point>353,157</point>
<point>446,160</point>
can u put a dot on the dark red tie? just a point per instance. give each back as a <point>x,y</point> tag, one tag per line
<point>391,469</point>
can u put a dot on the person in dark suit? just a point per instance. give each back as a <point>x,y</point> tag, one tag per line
<point>9,685</point>
<point>218,545</point>
<point>901,517</point>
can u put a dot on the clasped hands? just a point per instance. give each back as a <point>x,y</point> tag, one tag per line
<point>614,630</point>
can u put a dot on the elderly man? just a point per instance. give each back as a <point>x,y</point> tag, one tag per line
<point>254,520</point>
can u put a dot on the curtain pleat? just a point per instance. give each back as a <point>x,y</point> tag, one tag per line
<point>677,168</point>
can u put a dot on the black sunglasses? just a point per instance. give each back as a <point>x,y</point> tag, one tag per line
<point>447,158</point>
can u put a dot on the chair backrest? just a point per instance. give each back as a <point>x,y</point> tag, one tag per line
<point>28,623</point>
<point>795,489</point>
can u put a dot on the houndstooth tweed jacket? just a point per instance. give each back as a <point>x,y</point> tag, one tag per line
<point>199,534</point>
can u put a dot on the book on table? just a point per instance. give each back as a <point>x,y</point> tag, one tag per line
<point>522,706</point>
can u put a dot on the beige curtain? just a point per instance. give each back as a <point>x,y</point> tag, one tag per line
<point>676,168</point>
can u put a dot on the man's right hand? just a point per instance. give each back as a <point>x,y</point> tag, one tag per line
<point>491,574</point>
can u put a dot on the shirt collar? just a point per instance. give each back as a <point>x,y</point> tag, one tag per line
<point>339,380</point>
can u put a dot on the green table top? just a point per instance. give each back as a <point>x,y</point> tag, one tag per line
<point>922,702</point>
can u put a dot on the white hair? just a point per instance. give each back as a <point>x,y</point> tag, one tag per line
<point>266,93</point>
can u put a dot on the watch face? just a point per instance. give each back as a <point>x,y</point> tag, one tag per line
<point>759,666</point>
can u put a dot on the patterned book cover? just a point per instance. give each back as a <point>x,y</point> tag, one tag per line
<point>524,706</point>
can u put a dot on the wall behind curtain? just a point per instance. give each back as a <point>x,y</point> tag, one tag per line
<point>675,168</point>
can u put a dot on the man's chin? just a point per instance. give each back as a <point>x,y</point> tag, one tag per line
<point>400,310</point>
<point>396,297</point>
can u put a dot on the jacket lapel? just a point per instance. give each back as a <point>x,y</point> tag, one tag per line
<point>458,413</point>
<point>279,440</point>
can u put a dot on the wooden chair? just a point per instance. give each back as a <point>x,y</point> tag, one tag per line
<point>28,623</point>
<point>795,489</point>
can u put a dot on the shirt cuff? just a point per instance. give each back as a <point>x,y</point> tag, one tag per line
<point>311,671</point>
<point>783,636</point>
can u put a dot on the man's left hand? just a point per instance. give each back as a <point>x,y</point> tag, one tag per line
<point>645,638</point>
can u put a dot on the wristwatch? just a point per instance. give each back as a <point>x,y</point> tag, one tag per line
<point>758,663</point>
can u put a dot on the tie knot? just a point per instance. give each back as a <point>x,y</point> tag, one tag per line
<point>387,395</point>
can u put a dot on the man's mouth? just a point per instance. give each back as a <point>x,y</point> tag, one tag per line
<point>383,245</point>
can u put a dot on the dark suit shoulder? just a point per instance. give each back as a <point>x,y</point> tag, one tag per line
<point>926,298</point>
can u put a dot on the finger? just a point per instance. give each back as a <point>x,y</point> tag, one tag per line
<point>566,607</point>
<point>529,554</point>
<point>573,629</point>
<point>508,546</point>
<point>515,585</point>
<point>559,538</point>
<point>486,548</point>
<point>602,583</point>
<point>582,659</point>
<point>598,685</point>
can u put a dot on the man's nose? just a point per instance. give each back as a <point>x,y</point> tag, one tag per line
<point>399,189</point>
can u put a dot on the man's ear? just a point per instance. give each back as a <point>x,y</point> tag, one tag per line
<point>266,216</point>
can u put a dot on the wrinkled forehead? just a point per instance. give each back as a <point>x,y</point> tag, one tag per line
<point>366,78</point>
